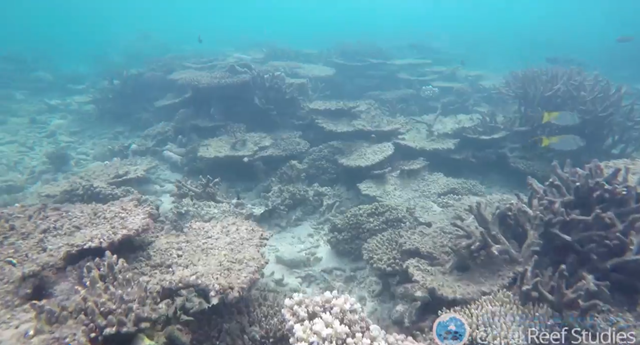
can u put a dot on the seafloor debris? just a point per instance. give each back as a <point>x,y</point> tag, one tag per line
<point>205,189</point>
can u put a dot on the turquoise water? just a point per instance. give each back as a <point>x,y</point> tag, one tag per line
<point>495,35</point>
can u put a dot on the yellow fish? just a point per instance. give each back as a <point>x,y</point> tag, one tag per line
<point>567,142</point>
<point>563,118</point>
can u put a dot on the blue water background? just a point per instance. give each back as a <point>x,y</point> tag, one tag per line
<point>489,35</point>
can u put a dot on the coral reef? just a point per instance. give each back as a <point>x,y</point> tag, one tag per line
<point>331,318</point>
<point>55,236</point>
<point>586,221</point>
<point>500,318</point>
<point>388,251</point>
<point>109,302</point>
<point>230,180</point>
<point>223,260</point>
<point>424,193</point>
<point>100,182</point>
<point>348,233</point>
<point>605,117</point>
<point>366,155</point>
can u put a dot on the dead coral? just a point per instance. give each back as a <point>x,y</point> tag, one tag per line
<point>109,301</point>
<point>454,286</point>
<point>283,145</point>
<point>422,194</point>
<point>332,109</point>
<point>42,237</point>
<point>233,146</point>
<point>366,155</point>
<point>202,79</point>
<point>205,189</point>
<point>301,70</point>
<point>224,258</point>
<point>387,252</point>
<point>101,182</point>
<point>252,146</point>
<point>349,232</point>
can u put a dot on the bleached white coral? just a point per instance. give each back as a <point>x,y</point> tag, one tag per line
<point>333,319</point>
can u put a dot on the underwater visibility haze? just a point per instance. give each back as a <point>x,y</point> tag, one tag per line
<point>310,173</point>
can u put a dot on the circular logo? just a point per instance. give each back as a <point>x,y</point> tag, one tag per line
<point>450,329</point>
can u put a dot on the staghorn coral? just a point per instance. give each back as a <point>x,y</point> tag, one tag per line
<point>348,233</point>
<point>606,119</point>
<point>110,301</point>
<point>450,270</point>
<point>586,220</point>
<point>331,318</point>
<point>223,260</point>
<point>502,236</point>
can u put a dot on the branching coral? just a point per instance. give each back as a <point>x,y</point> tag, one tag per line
<point>505,234</point>
<point>111,301</point>
<point>333,319</point>
<point>588,222</point>
<point>606,120</point>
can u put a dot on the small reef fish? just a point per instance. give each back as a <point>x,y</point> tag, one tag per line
<point>567,142</point>
<point>624,39</point>
<point>199,39</point>
<point>562,118</point>
<point>11,262</point>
